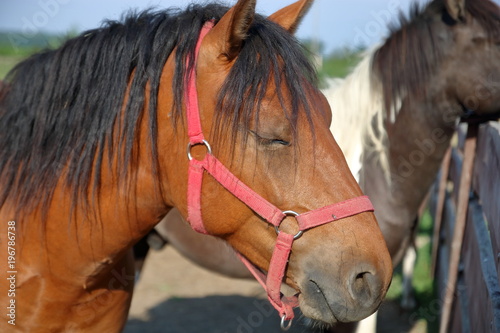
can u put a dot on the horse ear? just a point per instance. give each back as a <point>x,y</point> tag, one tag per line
<point>291,16</point>
<point>231,30</point>
<point>456,9</point>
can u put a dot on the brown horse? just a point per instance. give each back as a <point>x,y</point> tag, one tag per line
<point>395,114</point>
<point>93,154</point>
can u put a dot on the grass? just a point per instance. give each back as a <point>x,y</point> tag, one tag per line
<point>7,63</point>
<point>10,56</point>
<point>339,65</point>
<point>425,314</point>
<point>423,282</point>
<point>15,47</point>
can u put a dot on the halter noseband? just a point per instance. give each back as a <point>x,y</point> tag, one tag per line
<point>270,213</point>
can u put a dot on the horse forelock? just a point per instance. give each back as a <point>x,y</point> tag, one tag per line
<point>270,57</point>
<point>62,104</point>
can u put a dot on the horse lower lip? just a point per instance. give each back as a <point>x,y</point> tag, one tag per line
<point>332,318</point>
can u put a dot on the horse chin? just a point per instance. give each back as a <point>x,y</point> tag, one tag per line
<point>317,325</point>
<point>320,326</point>
<point>315,316</point>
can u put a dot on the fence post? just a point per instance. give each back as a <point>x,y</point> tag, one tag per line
<point>461,219</point>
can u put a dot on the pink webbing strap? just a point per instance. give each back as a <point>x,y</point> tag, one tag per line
<point>195,132</point>
<point>229,181</point>
<point>273,215</point>
<point>195,180</point>
<point>335,212</point>
<point>277,267</point>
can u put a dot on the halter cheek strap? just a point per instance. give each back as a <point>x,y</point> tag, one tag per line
<point>211,165</point>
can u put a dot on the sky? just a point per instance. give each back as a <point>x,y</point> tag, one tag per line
<point>336,23</point>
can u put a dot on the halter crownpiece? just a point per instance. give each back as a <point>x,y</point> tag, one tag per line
<point>262,207</point>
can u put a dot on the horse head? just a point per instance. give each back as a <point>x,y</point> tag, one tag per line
<point>459,41</point>
<point>265,120</point>
<point>475,53</point>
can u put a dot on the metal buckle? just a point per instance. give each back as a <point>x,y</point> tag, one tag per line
<point>283,326</point>
<point>204,142</point>
<point>294,214</point>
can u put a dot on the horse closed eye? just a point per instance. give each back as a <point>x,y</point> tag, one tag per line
<point>269,142</point>
<point>281,142</point>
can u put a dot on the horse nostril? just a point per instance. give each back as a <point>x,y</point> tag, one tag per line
<point>365,287</point>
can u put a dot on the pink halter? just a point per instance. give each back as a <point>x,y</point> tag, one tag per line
<point>254,201</point>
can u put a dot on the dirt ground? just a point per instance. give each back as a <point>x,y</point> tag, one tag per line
<point>175,296</point>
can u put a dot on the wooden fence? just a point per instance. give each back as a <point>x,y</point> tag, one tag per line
<point>467,231</point>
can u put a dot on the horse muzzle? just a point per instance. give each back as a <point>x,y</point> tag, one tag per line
<point>334,291</point>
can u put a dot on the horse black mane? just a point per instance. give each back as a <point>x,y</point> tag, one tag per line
<point>61,107</point>
<point>413,51</point>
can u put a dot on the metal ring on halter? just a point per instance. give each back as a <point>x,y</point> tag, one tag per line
<point>290,213</point>
<point>287,327</point>
<point>204,142</point>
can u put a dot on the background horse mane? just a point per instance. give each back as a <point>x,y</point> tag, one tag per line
<point>66,107</point>
<point>391,72</point>
<point>351,125</point>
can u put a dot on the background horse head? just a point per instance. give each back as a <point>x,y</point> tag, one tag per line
<point>438,64</point>
<point>93,154</point>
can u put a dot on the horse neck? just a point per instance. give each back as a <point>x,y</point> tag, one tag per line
<point>397,165</point>
<point>415,145</point>
<point>91,239</point>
